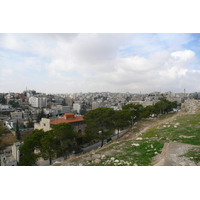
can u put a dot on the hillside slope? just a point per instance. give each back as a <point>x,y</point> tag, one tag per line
<point>171,140</point>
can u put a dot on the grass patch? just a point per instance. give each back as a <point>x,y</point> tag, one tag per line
<point>193,154</point>
<point>140,155</point>
<point>188,125</point>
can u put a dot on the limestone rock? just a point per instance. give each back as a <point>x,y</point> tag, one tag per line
<point>135,144</point>
<point>96,161</point>
<point>139,138</point>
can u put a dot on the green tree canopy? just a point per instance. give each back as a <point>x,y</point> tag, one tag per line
<point>40,115</point>
<point>18,135</point>
<point>49,144</point>
<point>99,124</point>
<point>2,100</point>
<point>121,119</point>
<point>27,150</point>
<point>66,136</point>
<point>14,103</point>
<point>147,111</point>
<point>134,110</point>
<point>164,106</point>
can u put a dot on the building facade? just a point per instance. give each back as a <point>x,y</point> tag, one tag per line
<point>38,102</point>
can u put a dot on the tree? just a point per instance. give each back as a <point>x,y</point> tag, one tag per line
<point>64,103</point>
<point>134,110</point>
<point>121,119</point>
<point>66,137</point>
<point>48,149</point>
<point>83,111</point>
<point>30,123</point>
<point>14,104</point>
<point>147,111</point>
<point>99,124</point>
<point>164,106</point>
<point>31,144</point>
<point>18,136</point>
<point>2,100</point>
<point>40,115</point>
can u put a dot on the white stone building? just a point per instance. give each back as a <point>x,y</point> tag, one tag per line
<point>77,107</point>
<point>38,102</point>
<point>95,105</point>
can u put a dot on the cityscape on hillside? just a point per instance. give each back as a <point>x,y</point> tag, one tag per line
<point>25,108</point>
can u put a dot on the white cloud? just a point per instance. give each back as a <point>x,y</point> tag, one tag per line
<point>99,62</point>
<point>183,55</point>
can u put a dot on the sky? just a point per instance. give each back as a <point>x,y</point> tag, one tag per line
<point>96,62</point>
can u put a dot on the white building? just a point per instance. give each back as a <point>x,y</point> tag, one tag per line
<point>4,107</point>
<point>77,107</point>
<point>11,155</point>
<point>15,150</point>
<point>16,115</point>
<point>38,102</point>
<point>95,105</point>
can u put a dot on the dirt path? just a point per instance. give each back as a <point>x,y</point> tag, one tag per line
<point>170,155</point>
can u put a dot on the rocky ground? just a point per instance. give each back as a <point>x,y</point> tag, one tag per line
<point>171,155</point>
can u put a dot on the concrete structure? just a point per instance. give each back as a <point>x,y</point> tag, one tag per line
<point>38,102</point>
<point>26,114</point>
<point>69,101</point>
<point>66,109</point>
<point>44,124</point>
<point>16,115</point>
<point>4,107</point>
<point>77,107</point>
<point>95,105</point>
<point>15,150</point>
<point>21,96</point>
<point>8,161</point>
<point>11,155</point>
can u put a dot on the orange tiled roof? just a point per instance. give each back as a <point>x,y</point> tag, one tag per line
<point>62,120</point>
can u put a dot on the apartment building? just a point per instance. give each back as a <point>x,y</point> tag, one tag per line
<point>38,102</point>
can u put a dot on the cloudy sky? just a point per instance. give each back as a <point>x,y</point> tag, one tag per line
<point>115,62</point>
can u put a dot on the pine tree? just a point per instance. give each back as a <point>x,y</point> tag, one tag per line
<point>18,136</point>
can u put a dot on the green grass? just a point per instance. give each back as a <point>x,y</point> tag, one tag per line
<point>140,155</point>
<point>193,154</point>
<point>189,126</point>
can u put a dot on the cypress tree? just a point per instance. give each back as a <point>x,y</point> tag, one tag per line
<point>17,131</point>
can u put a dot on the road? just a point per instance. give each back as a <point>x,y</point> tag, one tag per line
<point>85,150</point>
<point>97,145</point>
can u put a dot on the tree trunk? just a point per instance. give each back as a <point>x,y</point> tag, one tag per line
<point>102,142</point>
<point>50,160</point>
<point>61,144</point>
<point>118,133</point>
